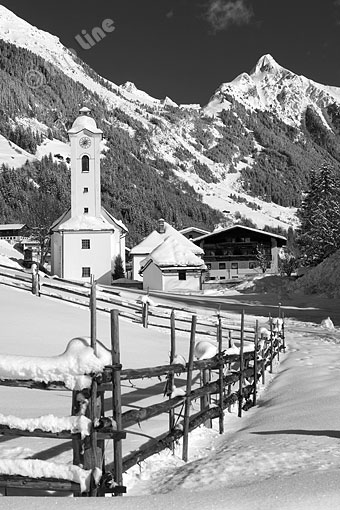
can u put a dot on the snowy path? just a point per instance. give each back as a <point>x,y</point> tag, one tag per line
<point>286,445</point>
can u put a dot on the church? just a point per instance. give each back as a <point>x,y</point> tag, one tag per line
<point>86,239</point>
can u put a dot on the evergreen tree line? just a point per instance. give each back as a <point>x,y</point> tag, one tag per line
<point>319,232</point>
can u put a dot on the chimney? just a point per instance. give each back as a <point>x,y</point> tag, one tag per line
<point>161,226</point>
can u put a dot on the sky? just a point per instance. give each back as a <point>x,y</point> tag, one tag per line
<point>185,49</point>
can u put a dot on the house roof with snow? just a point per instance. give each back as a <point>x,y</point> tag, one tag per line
<point>157,236</point>
<point>172,253</point>
<point>87,222</point>
<point>208,237</point>
<point>194,229</point>
<point>12,226</point>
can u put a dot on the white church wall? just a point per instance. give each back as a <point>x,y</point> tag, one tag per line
<point>97,258</point>
<point>56,254</point>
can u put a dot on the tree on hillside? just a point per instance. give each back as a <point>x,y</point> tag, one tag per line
<point>319,232</point>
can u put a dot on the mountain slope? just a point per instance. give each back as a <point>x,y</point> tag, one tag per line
<point>249,151</point>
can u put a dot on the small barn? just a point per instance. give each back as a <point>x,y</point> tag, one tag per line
<point>172,266</point>
<point>139,252</point>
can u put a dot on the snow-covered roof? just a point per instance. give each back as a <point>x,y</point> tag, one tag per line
<point>111,219</point>
<point>12,226</point>
<point>148,244</point>
<point>86,222</point>
<point>194,229</point>
<point>172,253</point>
<point>155,238</point>
<point>269,234</point>
<point>84,121</point>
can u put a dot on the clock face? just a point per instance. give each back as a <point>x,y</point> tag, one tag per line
<point>85,142</point>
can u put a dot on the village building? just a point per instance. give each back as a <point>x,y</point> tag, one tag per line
<point>139,252</point>
<point>14,232</point>
<point>193,232</point>
<point>86,239</point>
<point>172,266</point>
<point>233,252</point>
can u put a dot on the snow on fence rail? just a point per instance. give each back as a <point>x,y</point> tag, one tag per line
<point>228,373</point>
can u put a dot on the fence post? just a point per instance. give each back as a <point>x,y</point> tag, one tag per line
<point>145,315</point>
<point>93,313</point>
<point>283,333</point>
<point>116,398</point>
<point>229,366</point>
<point>256,343</point>
<point>271,346</point>
<point>171,374</point>
<point>35,280</point>
<point>188,389</point>
<point>220,373</point>
<point>240,393</point>
<point>93,456</point>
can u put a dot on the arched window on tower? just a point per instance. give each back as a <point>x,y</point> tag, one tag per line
<point>85,164</point>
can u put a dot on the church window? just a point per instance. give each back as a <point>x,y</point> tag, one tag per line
<point>86,210</point>
<point>85,164</point>
<point>85,244</point>
<point>86,272</point>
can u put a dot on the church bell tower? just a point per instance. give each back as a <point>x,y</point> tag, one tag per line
<point>85,140</point>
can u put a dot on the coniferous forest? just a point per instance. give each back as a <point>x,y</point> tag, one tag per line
<point>138,184</point>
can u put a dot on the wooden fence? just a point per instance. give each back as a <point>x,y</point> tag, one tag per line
<point>225,379</point>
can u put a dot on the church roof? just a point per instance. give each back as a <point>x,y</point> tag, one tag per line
<point>84,121</point>
<point>172,253</point>
<point>87,222</point>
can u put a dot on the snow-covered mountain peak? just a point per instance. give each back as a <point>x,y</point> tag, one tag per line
<point>266,64</point>
<point>271,87</point>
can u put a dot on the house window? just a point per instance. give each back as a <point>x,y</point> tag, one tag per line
<point>234,265</point>
<point>85,164</point>
<point>85,244</point>
<point>221,265</point>
<point>252,265</point>
<point>182,275</point>
<point>86,272</point>
<point>208,267</point>
<point>86,190</point>
<point>86,210</point>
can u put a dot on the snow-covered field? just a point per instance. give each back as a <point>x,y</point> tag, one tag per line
<point>282,454</point>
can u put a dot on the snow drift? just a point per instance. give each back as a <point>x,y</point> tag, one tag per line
<point>72,367</point>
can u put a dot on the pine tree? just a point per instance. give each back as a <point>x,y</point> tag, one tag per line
<point>319,233</point>
<point>119,269</point>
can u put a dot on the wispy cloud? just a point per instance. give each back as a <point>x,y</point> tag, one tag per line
<point>221,14</point>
